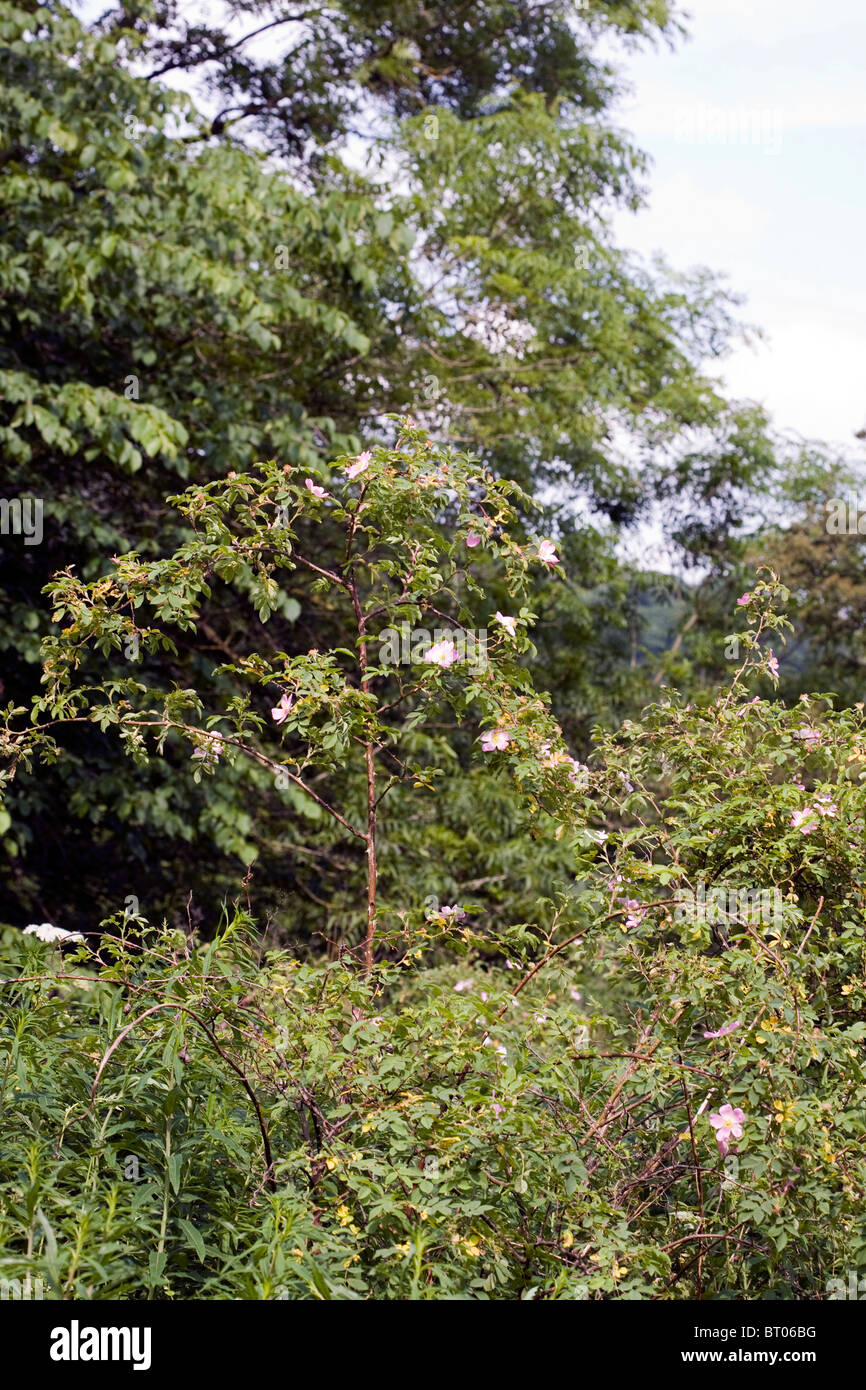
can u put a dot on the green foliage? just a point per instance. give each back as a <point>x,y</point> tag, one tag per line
<point>544,981</point>
<point>402,531</point>
<point>415,216</point>
<point>511,1114</point>
<point>459,1102</point>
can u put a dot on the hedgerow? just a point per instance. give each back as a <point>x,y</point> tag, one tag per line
<point>651,1088</point>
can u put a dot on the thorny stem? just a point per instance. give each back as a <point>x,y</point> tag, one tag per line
<point>700,1185</point>
<point>369,759</point>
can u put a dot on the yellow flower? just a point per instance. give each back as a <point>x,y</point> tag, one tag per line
<point>568,1240</point>
<point>766,1028</point>
<point>331,1164</point>
<point>344,1216</point>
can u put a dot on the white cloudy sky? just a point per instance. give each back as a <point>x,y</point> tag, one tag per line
<point>784,218</point>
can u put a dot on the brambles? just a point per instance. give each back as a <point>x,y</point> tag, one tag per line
<point>652,1088</point>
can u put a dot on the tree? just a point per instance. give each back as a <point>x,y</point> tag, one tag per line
<point>177,304</point>
<point>393,547</point>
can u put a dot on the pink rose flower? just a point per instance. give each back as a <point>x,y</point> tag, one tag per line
<point>510,624</point>
<point>636,912</point>
<point>547,553</point>
<point>210,750</point>
<point>728,1124</point>
<point>361,462</point>
<point>442,654</point>
<point>808,734</point>
<point>314,488</point>
<point>495,740</point>
<point>578,770</point>
<point>743,600</point>
<point>748,705</point>
<point>472,540</point>
<point>805,821</point>
<point>725,1030</point>
<point>280,712</point>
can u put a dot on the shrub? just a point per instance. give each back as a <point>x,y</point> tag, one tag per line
<point>652,1088</point>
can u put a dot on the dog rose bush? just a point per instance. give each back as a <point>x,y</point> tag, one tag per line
<point>650,1088</point>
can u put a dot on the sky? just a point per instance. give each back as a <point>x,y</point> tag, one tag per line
<point>756,128</point>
